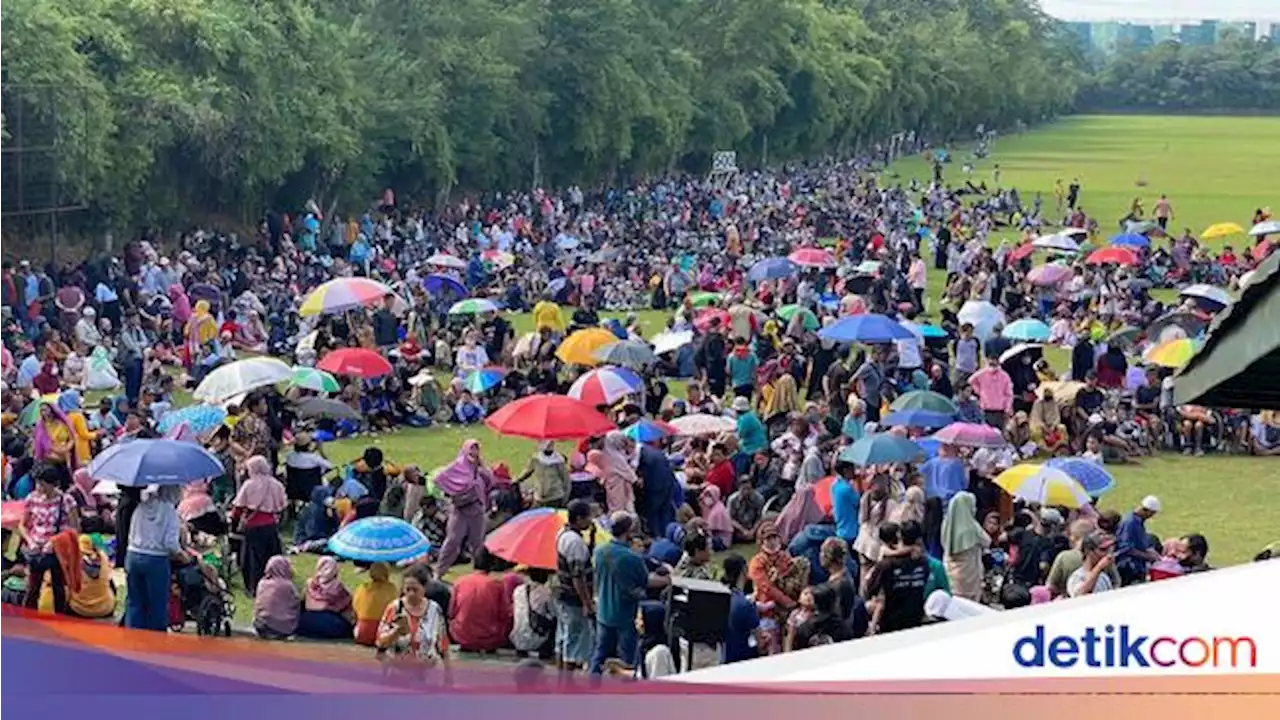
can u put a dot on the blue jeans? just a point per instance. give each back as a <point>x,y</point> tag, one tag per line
<point>133,379</point>
<point>147,604</point>
<point>613,642</point>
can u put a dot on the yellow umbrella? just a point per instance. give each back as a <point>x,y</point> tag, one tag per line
<point>580,347</point>
<point>1042,484</point>
<point>1222,229</point>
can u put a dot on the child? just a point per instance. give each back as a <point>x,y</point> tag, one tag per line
<point>430,520</point>
<point>803,611</point>
<point>468,411</point>
<point>1092,450</point>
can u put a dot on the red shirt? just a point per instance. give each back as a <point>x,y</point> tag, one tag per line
<point>724,477</point>
<point>480,615</point>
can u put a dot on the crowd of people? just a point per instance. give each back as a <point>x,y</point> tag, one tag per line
<point>815,545</point>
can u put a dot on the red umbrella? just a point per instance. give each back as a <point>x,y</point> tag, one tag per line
<point>11,512</point>
<point>549,417</point>
<point>822,494</point>
<point>359,362</point>
<point>1021,252</point>
<point>703,321</point>
<point>1114,255</point>
<point>813,257</point>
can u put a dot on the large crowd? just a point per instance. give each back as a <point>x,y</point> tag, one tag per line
<point>795,461</point>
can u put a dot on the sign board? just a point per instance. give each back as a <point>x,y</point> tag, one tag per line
<point>724,162</point>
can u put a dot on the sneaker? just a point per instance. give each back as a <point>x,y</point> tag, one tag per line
<point>1200,452</point>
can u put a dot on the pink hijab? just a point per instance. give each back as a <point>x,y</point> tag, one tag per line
<point>275,601</point>
<point>325,590</point>
<point>801,510</point>
<point>462,474</point>
<point>196,501</point>
<point>262,492</point>
<point>181,304</point>
<point>714,511</point>
<point>42,444</point>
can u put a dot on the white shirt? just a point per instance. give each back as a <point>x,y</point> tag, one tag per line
<point>1075,583</point>
<point>469,359</point>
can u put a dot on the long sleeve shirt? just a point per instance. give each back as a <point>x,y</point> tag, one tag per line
<point>994,389</point>
<point>133,341</point>
<point>155,529</point>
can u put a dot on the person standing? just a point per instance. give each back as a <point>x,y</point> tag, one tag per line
<point>963,541</point>
<point>256,510</point>
<point>744,616</point>
<point>575,596</point>
<point>713,360</point>
<point>385,325</point>
<point>1163,212</point>
<point>48,512</point>
<point>994,388</point>
<point>133,345</point>
<point>153,543</point>
<point>467,482</point>
<point>622,581</point>
<point>1073,193</point>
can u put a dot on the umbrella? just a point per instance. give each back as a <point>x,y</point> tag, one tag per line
<point>447,261</point>
<point>1064,391</point>
<point>867,267</point>
<point>1125,337</point>
<point>1214,295</point>
<point>530,538</point>
<point>931,332</point>
<point>1073,232</point>
<point>484,379</point>
<point>813,257</point>
<point>1222,229</point>
<point>1092,477</point>
<point>318,407</point>
<point>1132,240</point>
<point>379,539</point>
<point>1172,353</point>
<point>709,316</point>
<point>1018,349</point>
<point>549,417</point>
<point>786,312</point>
<point>568,242</point>
<point>1189,324</point>
<point>1044,485</point>
<point>500,258</point>
<point>439,284</point>
<point>867,328</point>
<point>473,306</point>
<point>605,386</point>
<point>702,299</point>
<point>1049,275</point>
<point>139,463</point>
<point>925,400</point>
<point>1058,241</point>
<point>982,315</point>
<point>1113,256</point>
<point>206,292</point>
<point>1267,227</point>
<point>1244,281</point>
<point>342,294</point>
<point>199,419</point>
<point>314,379</point>
<point>1027,330</point>
<point>822,494</point>
<point>647,431</point>
<point>27,417</point>
<point>926,419</point>
<point>11,512</point>
<point>703,424</point>
<point>771,269</point>
<point>970,435</point>
<point>667,341</point>
<point>240,377</point>
<point>928,446</point>
<point>69,299</point>
<point>580,347</point>
<point>1022,251</point>
<point>359,362</point>
<point>1140,227</point>
<point>881,449</point>
<point>628,353</point>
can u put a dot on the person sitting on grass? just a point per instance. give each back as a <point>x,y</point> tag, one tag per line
<point>480,617</point>
<point>468,411</point>
<point>534,621</point>
<point>276,602</point>
<point>370,601</point>
<point>327,605</point>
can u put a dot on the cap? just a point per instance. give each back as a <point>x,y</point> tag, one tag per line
<point>741,404</point>
<point>1152,503</point>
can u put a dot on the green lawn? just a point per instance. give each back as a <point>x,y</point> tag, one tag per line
<point>1213,169</point>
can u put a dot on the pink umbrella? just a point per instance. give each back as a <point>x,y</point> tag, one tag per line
<point>813,257</point>
<point>1049,275</point>
<point>703,321</point>
<point>970,435</point>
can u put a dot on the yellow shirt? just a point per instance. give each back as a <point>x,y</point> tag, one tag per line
<point>547,314</point>
<point>83,437</point>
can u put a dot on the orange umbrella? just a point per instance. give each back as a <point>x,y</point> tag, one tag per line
<point>822,494</point>
<point>549,417</point>
<point>530,537</point>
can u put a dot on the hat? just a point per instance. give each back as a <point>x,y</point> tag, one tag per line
<point>1152,503</point>
<point>741,404</point>
<point>1050,516</point>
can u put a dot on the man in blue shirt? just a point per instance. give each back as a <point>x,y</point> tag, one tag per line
<point>744,618</point>
<point>1134,552</point>
<point>622,581</point>
<point>844,505</point>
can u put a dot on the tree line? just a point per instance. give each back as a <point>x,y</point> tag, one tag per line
<point>174,108</point>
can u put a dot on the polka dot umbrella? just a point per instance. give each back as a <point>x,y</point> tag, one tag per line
<point>379,539</point>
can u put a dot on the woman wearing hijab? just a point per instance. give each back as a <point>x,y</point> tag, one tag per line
<point>778,580</point>
<point>154,541</point>
<point>53,440</point>
<point>370,601</point>
<point>550,473</point>
<point>467,482</point>
<point>179,305</point>
<point>615,473</point>
<point>963,541</point>
<point>912,507</point>
<point>46,381</point>
<point>69,403</point>
<point>800,511</point>
<point>96,597</point>
<point>94,510</point>
<point>256,510</point>
<point>201,335</point>
<point>717,517</point>
<point>276,603</point>
<point>1047,429</point>
<point>874,508</point>
<point>327,606</point>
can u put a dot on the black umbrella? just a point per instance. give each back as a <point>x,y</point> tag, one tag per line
<point>318,407</point>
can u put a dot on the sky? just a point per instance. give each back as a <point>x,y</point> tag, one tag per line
<point>1166,10</point>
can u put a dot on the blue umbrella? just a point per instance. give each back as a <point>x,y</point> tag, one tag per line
<point>1133,240</point>
<point>439,284</point>
<point>199,419</point>
<point>929,332</point>
<point>138,463</point>
<point>647,431</point>
<point>944,477</point>
<point>1092,477</point>
<point>881,449</point>
<point>929,446</point>
<point>865,329</point>
<point>379,539</point>
<point>1027,330</point>
<point>771,269</point>
<point>918,418</point>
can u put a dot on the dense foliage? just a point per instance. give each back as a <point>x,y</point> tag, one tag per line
<point>224,106</point>
<point>1234,74</point>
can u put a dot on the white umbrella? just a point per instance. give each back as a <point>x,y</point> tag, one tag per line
<point>1269,227</point>
<point>240,377</point>
<point>982,315</point>
<point>1017,350</point>
<point>1074,232</point>
<point>665,342</point>
<point>449,261</point>
<point>704,424</point>
<point>1057,241</point>
<point>1207,292</point>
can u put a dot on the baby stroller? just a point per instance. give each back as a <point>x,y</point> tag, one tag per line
<point>199,595</point>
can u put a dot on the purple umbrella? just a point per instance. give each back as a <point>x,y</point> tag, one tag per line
<point>205,291</point>
<point>439,284</point>
<point>1049,275</point>
<point>970,435</point>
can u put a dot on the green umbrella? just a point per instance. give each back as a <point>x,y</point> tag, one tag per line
<point>1125,337</point>
<point>473,306</point>
<point>313,379</point>
<point>702,299</point>
<point>786,312</point>
<point>925,400</point>
<point>27,418</point>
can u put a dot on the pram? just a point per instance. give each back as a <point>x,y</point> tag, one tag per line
<point>199,595</point>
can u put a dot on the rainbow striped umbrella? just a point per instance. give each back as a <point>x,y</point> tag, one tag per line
<point>484,379</point>
<point>1172,353</point>
<point>605,386</point>
<point>343,294</point>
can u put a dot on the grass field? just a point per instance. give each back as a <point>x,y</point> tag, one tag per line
<point>1212,169</point>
